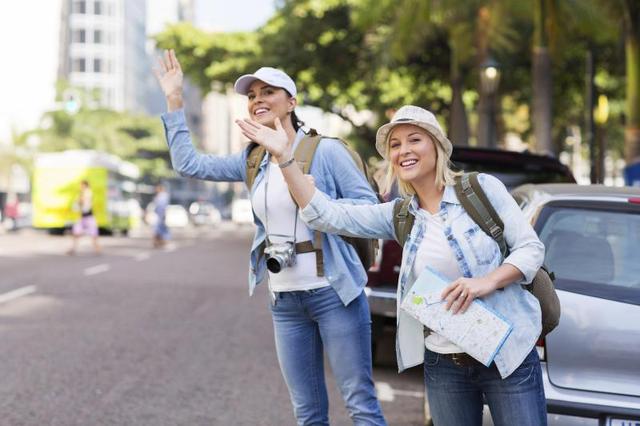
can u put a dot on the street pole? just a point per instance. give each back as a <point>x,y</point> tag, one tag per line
<point>589,122</point>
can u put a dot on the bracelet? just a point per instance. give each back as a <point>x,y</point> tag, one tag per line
<point>286,163</point>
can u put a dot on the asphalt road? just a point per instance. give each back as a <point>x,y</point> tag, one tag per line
<point>138,336</point>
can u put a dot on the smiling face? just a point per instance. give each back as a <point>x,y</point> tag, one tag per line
<point>268,102</point>
<point>412,154</point>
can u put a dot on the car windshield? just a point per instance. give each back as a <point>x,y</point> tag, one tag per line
<point>594,246</point>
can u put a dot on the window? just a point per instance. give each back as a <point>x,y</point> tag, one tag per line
<point>79,36</point>
<point>97,37</point>
<point>593,246</point>
<point>79,6</point>
<point>79,65</point>
<point>97,8</point>
<point>97,65</point>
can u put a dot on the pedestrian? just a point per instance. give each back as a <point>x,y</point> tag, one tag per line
<point>313,314</point>
<point>160,203</point>
<point>86,224</point>
<point>444,237</point>
<point>12,211</point>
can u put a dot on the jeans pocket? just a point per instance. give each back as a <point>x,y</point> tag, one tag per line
<point>431,358</point>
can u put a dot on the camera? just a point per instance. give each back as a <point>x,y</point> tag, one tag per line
<point>280,256</point>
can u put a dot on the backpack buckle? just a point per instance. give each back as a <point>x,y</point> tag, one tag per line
<point>496,232</point>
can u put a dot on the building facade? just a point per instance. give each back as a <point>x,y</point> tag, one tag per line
<point>103,53</point>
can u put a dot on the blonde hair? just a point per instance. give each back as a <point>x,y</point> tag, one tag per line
<point>445,175</point>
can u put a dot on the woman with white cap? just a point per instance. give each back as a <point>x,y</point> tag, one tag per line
<point>445,238</point>
<point>313,313</point>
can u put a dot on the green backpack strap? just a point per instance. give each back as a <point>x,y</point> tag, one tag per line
<point>477,205</point>
<point>402,220</point>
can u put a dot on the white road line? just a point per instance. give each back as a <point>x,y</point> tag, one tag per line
<point>19,292</point>
<point>387,393</point>
<point>142,257</point>
<point>98,269</point>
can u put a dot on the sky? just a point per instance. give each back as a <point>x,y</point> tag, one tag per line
<point>29,46</point>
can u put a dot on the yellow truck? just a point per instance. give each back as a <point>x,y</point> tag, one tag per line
<point>56,187</point>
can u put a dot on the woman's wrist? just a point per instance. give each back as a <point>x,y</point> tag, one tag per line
<point>283,157</point>
<point>174,102</point>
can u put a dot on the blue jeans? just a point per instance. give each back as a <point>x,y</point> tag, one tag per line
<point>308,323</point>
<point>456,393</point>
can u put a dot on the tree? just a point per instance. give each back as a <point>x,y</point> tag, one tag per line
<point>135,138</point>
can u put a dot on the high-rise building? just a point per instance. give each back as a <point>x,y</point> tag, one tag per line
<point>102,51</point>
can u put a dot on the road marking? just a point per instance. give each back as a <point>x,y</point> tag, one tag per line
<point>142,256</point>
<point>98,269</point>
<point>387,393</point>
<point>19,292</point>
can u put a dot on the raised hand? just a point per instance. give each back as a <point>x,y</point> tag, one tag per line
<point>170,77</point>
<point>276,141</point>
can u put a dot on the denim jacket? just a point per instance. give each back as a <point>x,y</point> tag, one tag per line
<point>477,254</point>
<point>334,172</point>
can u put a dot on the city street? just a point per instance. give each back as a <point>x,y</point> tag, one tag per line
<point>138,336</point>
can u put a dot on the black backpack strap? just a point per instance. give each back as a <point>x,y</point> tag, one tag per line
<point>477,205</point>
<point>402,220</point>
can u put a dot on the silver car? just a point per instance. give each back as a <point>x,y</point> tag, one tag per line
<point>591,362</point>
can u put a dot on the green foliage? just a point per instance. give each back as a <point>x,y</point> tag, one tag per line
<point>135,138</point>
<point>380,54</point>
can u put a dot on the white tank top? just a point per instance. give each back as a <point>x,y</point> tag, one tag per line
<point>282,211</point>
<point>435,252</point>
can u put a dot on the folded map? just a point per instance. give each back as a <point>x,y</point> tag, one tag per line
<point>480,331</point>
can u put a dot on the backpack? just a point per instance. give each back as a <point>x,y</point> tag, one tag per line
<point>365,248</point>
<point>479,208</point>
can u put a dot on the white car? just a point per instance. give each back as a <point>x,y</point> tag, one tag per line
<point>176,216</point>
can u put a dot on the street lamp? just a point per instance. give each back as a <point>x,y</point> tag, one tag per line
<point>489,81</point>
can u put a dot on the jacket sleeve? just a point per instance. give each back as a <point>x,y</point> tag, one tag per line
<point>351,185</point>
<point>526,249</point>
<point>360,220</point>
<point>190,163</point>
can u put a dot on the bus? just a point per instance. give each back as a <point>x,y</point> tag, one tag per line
<point>56,187</point>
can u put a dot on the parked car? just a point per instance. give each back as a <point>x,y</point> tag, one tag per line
<point>204,213</point>
<point>591,362</point>
<point>512,168</point>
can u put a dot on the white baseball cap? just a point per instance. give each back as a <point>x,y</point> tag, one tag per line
<point>271,76</point>
<point>410,114</point>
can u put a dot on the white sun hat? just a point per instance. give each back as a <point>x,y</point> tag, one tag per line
<point>410,114</point>
<point>271,76</point>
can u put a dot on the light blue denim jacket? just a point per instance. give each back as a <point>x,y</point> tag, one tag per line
<point>334,172</point>
<point>477,254</point>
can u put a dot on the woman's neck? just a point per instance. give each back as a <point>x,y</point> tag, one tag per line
<point>429,195</point>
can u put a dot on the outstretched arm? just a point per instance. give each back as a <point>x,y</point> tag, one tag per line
<point>184,158</point>
<point>170,77</point>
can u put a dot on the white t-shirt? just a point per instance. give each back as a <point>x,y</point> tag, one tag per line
<point>435,252</point>
<point>282,211</point>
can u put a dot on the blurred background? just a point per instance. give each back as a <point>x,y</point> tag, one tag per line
<point>558,78</point>
<point>533,91</point>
